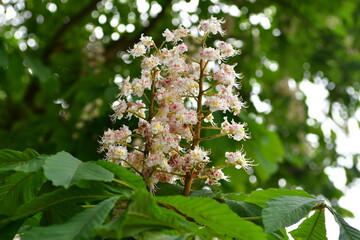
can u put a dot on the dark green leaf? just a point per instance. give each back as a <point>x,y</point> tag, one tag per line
<point>166,189</point>
<point>244,209</point>
<point>17,189</point>
<point>59,196</point>
<point>79,227</point>
<point>216,216</point>
<point>10,158</point>
<point>312,228</point>
<point>284,211</point>
<point>27,161</point>
<point>65,170</point>
<point>11,229</point>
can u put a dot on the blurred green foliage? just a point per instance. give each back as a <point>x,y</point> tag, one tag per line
<point>58,61</point>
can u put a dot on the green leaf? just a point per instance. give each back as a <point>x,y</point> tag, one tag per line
<point>284,211</point>
<point>312,228</point>
<point>218,217</point>
<point>17,189</point>
<point>347,232</point>
<point>9,159</point>
<point>133,180</point>
<point>166,189</point>
<point>79,227</point>
<point>32,165</point>
<point>162,235</point>
<point>65,170</point>
<point>235,196</point>
<point>244,209</point>
<point>60,196</point>
<point>59,214</point>
<point>11,229</point>
<point>260,197</point>
<point>143,215</point>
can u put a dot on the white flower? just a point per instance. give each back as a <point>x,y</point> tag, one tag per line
<point>227,50</point>
<point>238,159</point>
<point>210,53</point>
<point>119,108</point>
<point>234,130</point>
<point>169,36</point>
<point>125,87</point>
<point>149,63</point>
<point>138,50</point>
<point>216,103</point>
<point>199,155</point>
<point>212,25</point>
<point>146,41</point>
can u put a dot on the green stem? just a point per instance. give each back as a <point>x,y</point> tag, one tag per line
<point>252,218</point>
<point>211,127</point>
<point>88,206</point>
<point>123,183</point>
<point>212,137</point>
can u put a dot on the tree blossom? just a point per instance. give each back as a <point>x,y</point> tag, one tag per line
<point>234,129</point>
<point>212,25</point>
<point>238,159</point>
<point>138,50</point>
<point>173,101</point>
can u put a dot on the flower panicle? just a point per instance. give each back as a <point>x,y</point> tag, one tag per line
<point>179,89</point>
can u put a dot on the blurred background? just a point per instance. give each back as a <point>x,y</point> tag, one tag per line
<point>300,61</point>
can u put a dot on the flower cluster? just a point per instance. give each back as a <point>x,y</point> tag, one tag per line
<point>179,91</point>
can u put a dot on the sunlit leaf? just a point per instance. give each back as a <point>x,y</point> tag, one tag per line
<point>312,228</point>
<point>260,197</point>
<point>347,232</point>
<point>216,216</point>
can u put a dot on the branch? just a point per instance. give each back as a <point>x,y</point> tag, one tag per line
<point>126,42</point>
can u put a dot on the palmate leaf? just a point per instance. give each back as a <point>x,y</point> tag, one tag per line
<point>79,227</point>
<point>65,170</point>
<point>284,211</point>
<point>130,178</point>
<point>347,232</point>
<point>59,196</point>
<point>214,215</point>
<point>260,197</point>
<point>17,189</point>
<point>312,228</point>
<point>143,215</point>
